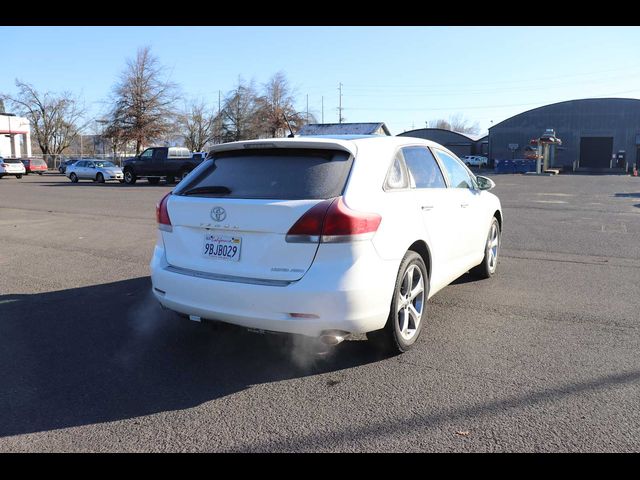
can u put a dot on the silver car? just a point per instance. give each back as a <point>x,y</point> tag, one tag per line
<point>97,170</point>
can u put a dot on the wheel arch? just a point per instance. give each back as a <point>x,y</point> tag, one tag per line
<point>422,249</point>
<point>498,215</point>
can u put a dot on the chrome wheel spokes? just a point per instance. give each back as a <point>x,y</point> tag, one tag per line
<point>410,302</point>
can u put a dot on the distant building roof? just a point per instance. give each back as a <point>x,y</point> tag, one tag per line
<point>377,128</point>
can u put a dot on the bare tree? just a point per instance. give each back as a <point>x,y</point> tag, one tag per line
<point>197,126</point>
<point>456,123</point>
<point>55,119</point>
<point>276,106</point>
<point>239,113</point>
<point>143,101</point>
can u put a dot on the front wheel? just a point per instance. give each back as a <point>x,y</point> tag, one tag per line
<point>489,264</point>
<point>129,177</point>
<point>40,173</point>
<point>407,313</point>
<point>100,178</point>
<point>73,177</point>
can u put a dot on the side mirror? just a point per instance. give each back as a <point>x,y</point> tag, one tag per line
<point>485,183</point>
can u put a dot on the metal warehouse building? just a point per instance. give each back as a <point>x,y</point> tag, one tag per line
<point>459,143</point>
<point>598,134</point>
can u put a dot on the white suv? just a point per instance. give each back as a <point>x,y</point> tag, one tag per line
<point>11,166</point>
<point>324,236</point>
<point>475,160</point>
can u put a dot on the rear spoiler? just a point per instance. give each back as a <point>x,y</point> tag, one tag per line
<point>320,144</point>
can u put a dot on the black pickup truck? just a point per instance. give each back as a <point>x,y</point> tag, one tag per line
<point>156,162</point>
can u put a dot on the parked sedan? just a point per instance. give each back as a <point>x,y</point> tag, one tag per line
<point>475,160</point>
<point>34,165</point>
<point>11,167</point>
<point>63,165</point>
<point>324,237</point>
<point>97,170</point>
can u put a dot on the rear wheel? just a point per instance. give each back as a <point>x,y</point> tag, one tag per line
<point>406,316</point>
<point>18,176</point>
<point>129,177</point>
<point>73,177</point>
<point>183,174</point>
<point>170,179</point>
<point>40,173</point>
<point>153,180</point>
<point>489,264</point>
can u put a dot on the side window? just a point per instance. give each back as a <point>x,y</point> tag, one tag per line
<point>397,176</point>
<point>423,168</point>
<point>80,164</point>
<point>91,164</point>
<point>157,155</point>
<point>146,155</point>
<point>458,175</point>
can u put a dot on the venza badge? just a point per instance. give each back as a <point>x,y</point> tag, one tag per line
<point>218,214</point>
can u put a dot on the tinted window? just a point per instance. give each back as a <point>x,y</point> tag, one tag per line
<point>80,164</point>
<point>397,176</point>
<point>272,174</point>
<point>423,168</point>
<point>458,175</point>
<point>146,154</point>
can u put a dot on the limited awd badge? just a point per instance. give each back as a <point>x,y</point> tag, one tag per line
<point>218,214</point>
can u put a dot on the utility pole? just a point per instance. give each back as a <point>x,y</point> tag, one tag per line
<point>322,109</point>
<point>307,109</point>
<point>340,104</point>
<point>218,121</point>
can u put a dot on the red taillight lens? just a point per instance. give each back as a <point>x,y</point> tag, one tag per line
<point>341,220</point>
<point>332,221</point>
<point>162,214</point>
<point>308,228</point>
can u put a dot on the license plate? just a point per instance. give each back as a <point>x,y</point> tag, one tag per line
<point>222,247</point>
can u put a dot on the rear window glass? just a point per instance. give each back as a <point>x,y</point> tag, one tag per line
<point>284,173</point>
<point>11,160</point>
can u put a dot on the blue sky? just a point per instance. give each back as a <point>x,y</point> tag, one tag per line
<point>403,76</point>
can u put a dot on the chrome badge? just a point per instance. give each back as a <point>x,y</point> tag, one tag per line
<point>218,214</point>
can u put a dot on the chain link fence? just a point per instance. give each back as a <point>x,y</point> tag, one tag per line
<point>54,161</point>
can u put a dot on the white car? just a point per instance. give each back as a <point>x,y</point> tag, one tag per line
<point>324,236</point>
<point>97,170</point>
<point>475,160</point>
<point>11,166</point>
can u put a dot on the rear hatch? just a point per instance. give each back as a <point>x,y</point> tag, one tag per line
<point>249,199</point>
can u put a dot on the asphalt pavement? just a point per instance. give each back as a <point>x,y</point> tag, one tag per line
<point>541,358</point>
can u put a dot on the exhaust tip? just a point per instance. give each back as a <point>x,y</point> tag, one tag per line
<point>333,337</point>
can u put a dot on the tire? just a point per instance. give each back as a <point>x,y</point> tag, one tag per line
<point>129,177</point>
<point>170,179</point>
<point>397,336</point>
<point>1,175</point>
<point>153,180</point>
<point>183,174</point>
<point>40,173</point>
<point>74,178</point>
<point>18,176</point>
<point>100,178</point>
<point>487,268</point>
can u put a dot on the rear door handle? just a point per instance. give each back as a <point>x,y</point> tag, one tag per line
<point>464,205</point>
<point>427,207</point>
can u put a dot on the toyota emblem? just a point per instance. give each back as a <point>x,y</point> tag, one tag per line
<point>218,214</point>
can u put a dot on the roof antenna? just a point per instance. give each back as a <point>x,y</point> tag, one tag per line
<point>288,125</point>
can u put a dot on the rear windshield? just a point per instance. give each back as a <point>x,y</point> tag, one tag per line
<point>11,160</point>
<point>284,173</point>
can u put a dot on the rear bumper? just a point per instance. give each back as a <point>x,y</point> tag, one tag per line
<point>352,295</point>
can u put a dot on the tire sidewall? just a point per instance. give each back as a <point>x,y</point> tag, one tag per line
<point>486,266</point>
<point>402,345</point>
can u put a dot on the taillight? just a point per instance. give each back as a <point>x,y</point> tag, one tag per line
<point>331,221</point>
<point>162,214</point>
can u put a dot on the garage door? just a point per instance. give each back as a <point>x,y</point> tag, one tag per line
<point>595,152</point>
